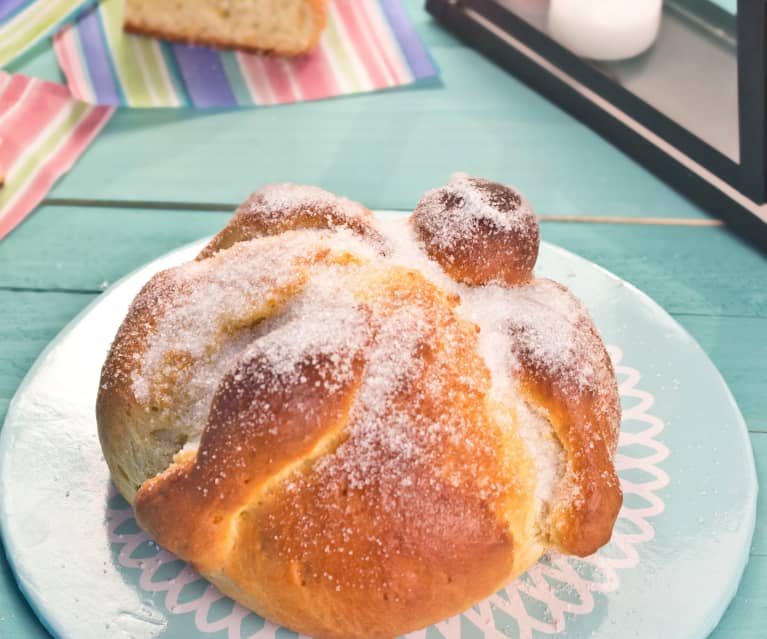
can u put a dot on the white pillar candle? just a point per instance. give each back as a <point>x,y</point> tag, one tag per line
<point>605,29</point>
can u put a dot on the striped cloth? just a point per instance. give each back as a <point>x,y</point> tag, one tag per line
<point>24,22</point>
<point>368,45</point>
<point>42,132</point>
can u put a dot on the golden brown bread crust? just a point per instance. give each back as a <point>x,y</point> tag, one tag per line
<point>139,438</point>
<point>319,7</point>
<point>269,212</point>
<point>585,419</point>
<point>414,569</point>
<point>353,476</point>
<point>497,229</point>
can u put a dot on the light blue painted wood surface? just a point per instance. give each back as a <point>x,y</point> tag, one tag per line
<point>731,6</point>
<point>386,149</point>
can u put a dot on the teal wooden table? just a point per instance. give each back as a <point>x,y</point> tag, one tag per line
<point>158,179</point>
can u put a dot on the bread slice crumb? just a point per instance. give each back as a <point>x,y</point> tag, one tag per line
<point>282,27</point>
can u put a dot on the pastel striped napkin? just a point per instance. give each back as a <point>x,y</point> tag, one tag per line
<point>24,22</point>
<point>368,45</point>
<point>42,132</point>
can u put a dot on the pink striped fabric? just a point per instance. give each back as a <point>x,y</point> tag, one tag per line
<point>319,81</point>
<point>43,131</point>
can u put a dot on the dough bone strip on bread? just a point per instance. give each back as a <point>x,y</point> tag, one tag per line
<point>262,425</point>
<point>486,236</point>
<point>277,208</point>
<point>562,368</point>
<point>357,429</point>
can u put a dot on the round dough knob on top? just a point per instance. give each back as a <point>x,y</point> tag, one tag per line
<point>479,231</point>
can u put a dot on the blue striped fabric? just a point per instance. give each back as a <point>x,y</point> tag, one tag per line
<point>10,8</point>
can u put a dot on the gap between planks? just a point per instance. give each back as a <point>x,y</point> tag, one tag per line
<point>33,289</point>
<point>646,221</point>
<point>214,206</point>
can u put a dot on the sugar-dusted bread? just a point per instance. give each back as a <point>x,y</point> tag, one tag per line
<point>358,428</point>
<point>283,27</point>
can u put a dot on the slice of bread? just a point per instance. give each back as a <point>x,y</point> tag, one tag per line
<point>282,27</point>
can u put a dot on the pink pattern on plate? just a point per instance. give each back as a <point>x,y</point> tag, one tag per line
<point>579,578</point>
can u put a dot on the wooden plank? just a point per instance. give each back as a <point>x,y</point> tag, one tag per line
<point>690,270</point>
<point>28,321</point>
<point>694,270</point>
<point>736,345</point>
<point>706,278</point>
<point>85,248</point>
<point>724,308</point>
<point>384,149</point>
<point>489,115</point>
<point>38,62</point>
<point>607,219</point>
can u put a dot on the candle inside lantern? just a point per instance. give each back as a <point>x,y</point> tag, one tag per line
<point>605,29</point>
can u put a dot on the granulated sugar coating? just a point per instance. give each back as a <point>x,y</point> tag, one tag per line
<point>476,207</point>
<point>419,452</point>
<point>208,311</point>
<point>275,199</point>
<point>492,235</point>
<point>277,208</point>
<point>360,407</point>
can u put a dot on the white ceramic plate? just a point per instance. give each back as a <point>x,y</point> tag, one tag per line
<point>677,554</point>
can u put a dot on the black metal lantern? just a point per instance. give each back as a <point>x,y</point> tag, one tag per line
<point>691,105</point>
